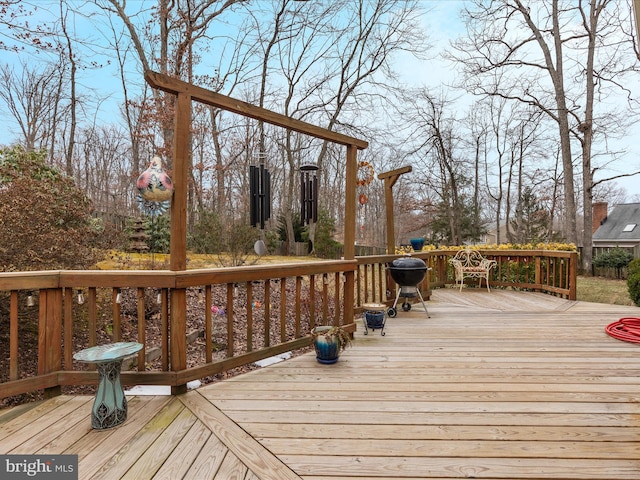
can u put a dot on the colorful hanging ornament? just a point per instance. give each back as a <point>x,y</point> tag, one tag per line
<point>363,199</point>
<point>154,184</point>
<point>366,174</point>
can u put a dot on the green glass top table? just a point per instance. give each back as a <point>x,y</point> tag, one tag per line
<point>110,405</point>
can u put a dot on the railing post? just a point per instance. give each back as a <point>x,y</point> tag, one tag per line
<point>50,335</point>
<point>178,334</point>
<point>349,297</point>
<point>573,275</point>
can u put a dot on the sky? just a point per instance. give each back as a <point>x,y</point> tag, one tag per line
<point>442,23</point>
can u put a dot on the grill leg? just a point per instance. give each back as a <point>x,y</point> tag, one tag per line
<point>423,304</point>
<point>399,289</point>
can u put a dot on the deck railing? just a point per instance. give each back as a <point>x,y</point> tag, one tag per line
<point>240,315</point>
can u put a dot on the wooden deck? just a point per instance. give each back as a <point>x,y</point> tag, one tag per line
<point>500,385</point>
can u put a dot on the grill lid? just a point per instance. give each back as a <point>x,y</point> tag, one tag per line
<point>408,263</point>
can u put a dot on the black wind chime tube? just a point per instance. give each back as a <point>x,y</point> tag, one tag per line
<point>253,195</point>
<point>303,197</point>
<point>265,195</point>
<point>260,195</point>
<point>308,194</point>
<point>314,199</point>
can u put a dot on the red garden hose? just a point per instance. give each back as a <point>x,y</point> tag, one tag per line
<point>626,329</point>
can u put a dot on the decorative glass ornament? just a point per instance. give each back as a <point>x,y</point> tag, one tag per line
<point>154,184</point>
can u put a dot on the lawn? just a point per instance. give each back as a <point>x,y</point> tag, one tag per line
<point>603,290</point>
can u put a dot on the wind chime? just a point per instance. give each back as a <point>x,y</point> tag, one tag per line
<point>260,194</point>
<point>308,194</point>
<point>366,174</point>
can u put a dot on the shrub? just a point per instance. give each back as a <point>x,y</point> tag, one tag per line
<point>634,266</point>
<point>617,258</point>
<point>205,236</point>
<point>46,219</point>
<point>633,284</point>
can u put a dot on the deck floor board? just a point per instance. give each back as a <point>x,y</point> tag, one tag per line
<point>500,385</point>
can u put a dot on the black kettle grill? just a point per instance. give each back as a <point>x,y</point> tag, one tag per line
<point>407,272</point>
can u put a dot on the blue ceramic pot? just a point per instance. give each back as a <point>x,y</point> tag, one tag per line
<point>327,346</point>
<point>374,319</point>
<point>417,244</point>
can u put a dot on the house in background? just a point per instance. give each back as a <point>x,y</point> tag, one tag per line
<point>620,228</point>
<point>491,235</point>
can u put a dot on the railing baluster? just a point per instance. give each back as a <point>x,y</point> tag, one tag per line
<point>164,321</point>
<point>283,309</point>
<point>117,329</point>
<point>336,296</point>
<point>208,327</point>
<point>360,285</point>
<point>249,309</point>
<point>229,312</point>
<point>142,329</point>
<point>325,298</point>
<point>67,329</point>
<point>13,336</point>
<point>92,306</point>
<point>298,304</point>
<point>312,303</point>
<point>267,312</point>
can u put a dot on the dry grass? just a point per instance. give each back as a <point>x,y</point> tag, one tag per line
<point>603,290</point>
<point>116,260</point>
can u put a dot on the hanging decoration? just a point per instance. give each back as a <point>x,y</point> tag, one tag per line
<point>366,174</point>
<point>364,177</point>
<point>308,194</point>
<point>154,184</point>
<point>260,194</point>
<point>150,208</point>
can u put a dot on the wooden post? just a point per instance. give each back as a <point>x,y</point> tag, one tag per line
<point>350,203</point>
<point>178,247</point>
<point>573,275</point>
<point>350,230</point>
<point>390,178</point>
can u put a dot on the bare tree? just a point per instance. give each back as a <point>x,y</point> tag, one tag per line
<point>434,138</point>
<point>179,26</point>
<point>554,56</point>
<point>73,100</point>
<point>32,96</point>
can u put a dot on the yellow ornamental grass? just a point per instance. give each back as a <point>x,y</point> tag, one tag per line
<point>554,246</point>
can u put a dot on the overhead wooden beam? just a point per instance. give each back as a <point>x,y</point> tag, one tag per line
<point>175,86</point>
<point>390,178</point>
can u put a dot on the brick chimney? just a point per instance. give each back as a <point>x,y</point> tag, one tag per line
<point>599,215</point>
